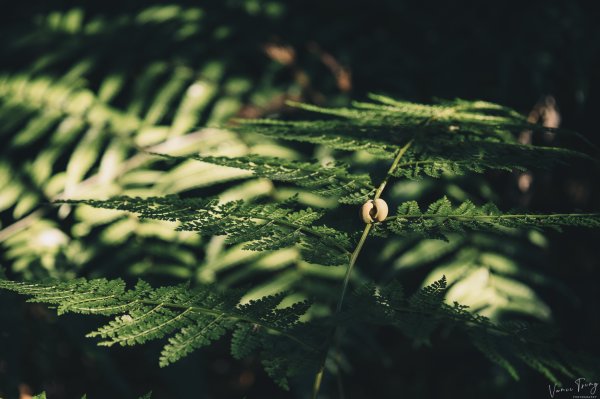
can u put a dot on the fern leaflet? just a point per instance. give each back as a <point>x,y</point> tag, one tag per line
<point>326,180</point>
<point>261,226</point>
<point>441,217</point>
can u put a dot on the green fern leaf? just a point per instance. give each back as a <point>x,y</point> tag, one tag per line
<point>189,317</point>
<point>441,217</point>
<point>326,180</point>
<point>454,138</point>
<point>261,226</point>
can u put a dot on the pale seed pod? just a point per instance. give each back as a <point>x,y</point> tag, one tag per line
<point>382,210</point>
<point>366,210</point>
<point>374,211</point>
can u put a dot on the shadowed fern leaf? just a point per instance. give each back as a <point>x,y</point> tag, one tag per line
<point>189,317</point>
<point>509,345</point>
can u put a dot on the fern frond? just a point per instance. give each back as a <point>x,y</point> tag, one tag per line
<point>326,180</point>
<point>261,226</point>
<point>447,157</point>
<point>190,318</point>
<point>507,344</point>
<point>441,217</point>
<point>341,135</point>
<point>454,138</point>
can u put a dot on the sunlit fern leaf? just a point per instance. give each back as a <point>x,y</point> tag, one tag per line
<point>477,116</point>
<point>442,217</point>
<point>60,99</point>
<point>447,139</point>
<point>326,180</point>
<point>67,139</point>
<point>472,111</point>
<point>261,226</point>
<point>189,318</point>
<point>74,108</point>
<point>389,109</point>
<point>494,274</point>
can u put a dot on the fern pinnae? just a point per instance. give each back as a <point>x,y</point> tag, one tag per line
<point>326,180</point>
<point>502,343</point>
<point>237,315</point>
<point>448,138</point>
<point>115,326</point>
<point>256,224</point>
<point>442,217</point>
<point>162,326</point>
<point>244,341</point>
<point>145,313</point>
<point>190,339</point>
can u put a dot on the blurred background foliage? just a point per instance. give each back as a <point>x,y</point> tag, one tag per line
<point>84,88</point>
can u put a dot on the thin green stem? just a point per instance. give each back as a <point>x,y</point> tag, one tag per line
<point>363,238</point>
<point>353,258</point>
<point>399,156</point>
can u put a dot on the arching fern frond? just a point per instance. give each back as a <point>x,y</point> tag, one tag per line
<point>455,138</point>
<point>261,226</point>
<point>509,345</point>
<point>447,157</point>
<point>326,180</point>
<point>484,118</point>
<point>442,217</point>
<point>190,318</point>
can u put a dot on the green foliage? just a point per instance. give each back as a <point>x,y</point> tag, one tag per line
<point>453,138</point>
<point>189,317</point>
<point>441,218</point>
<point>192,318</point>
<point>262,227</point>
<point>439,141</point>
<point>74,117</point>
<point>508,344</point>
<point>326,180</point>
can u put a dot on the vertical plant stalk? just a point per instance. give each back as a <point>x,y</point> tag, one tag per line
<point>351,263</point>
